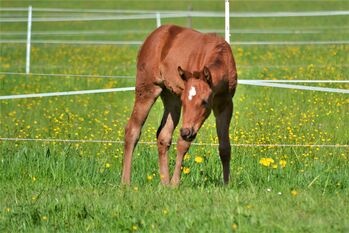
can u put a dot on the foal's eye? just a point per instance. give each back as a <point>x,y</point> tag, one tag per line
<point>204,103</point>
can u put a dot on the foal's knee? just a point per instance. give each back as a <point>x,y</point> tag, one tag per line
<point>132,131</point>
<point>164,140</point>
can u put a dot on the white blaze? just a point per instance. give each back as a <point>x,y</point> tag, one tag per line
<point>192,93</point>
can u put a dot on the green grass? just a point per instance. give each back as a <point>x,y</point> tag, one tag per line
<point>74,187</point>
<point>71,192</point>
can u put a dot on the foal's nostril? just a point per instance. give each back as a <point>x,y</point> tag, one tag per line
<point>185,132</point>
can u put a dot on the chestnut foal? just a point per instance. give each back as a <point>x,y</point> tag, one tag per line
<point>183,67</point>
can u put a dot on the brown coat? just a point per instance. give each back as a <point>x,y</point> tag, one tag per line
<point>171,46</point>
<point>190,69</point>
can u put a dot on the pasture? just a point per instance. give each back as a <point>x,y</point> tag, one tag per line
<point>72,183</point>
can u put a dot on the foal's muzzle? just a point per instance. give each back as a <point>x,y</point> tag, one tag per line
<point>188,134</point>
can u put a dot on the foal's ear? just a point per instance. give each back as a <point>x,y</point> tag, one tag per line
<point>207,75</point>
<point>181,73</point>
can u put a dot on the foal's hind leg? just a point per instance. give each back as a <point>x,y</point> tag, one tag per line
<point>170,119</point>
<point>145,98</point>
<point>223,112</point>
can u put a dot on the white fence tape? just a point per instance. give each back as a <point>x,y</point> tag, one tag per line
<point>65,93</point>
<point>154,143</point>
<point>246,82</point>
<point>290,42</point>
<point>305,81</point>
<point>95,18</point>
<point>293,66</point>
<point>71,75</point>
<point>75,42</point>
<point>241,81</point>
<point>244,66</point>
<point>126,32</point>
<point>180,14</point>
<point>298,87</point>
<point>123,11</point>
<point>309,30</point>
<point>137,43</point>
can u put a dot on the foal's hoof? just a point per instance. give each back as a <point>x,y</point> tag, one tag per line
<point>125,182</point>
<point>174,184</point>
<point>165,184</point>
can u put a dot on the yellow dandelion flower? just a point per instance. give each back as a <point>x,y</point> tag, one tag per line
<point>283,163</point>
<point>198,159</point>
<point>165,211</point>
<point>294,193</point>
<point>186,170</point>
<point>275,166</point>
<point>107,165</point>
<point>234,226</point>
<point>33,178</point>
<point>6,66</point>
<point>134,228</point>
<point>266,161</point>
<point>150,177</point>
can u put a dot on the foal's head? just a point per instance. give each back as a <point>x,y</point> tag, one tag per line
<point>196,99</point>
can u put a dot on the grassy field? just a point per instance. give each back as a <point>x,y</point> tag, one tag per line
<point>74,187</point>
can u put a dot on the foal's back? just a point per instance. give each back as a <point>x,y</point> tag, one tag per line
<point>171,46</point>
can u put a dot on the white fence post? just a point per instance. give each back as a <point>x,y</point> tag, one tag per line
<point>227,22</point>
<point>27,64</point>
<point>158,19</point>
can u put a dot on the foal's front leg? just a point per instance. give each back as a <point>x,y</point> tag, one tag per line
<point>164,134</point>
<point>182,148</point>
<point>143,102</point>
<point>223,113</point>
